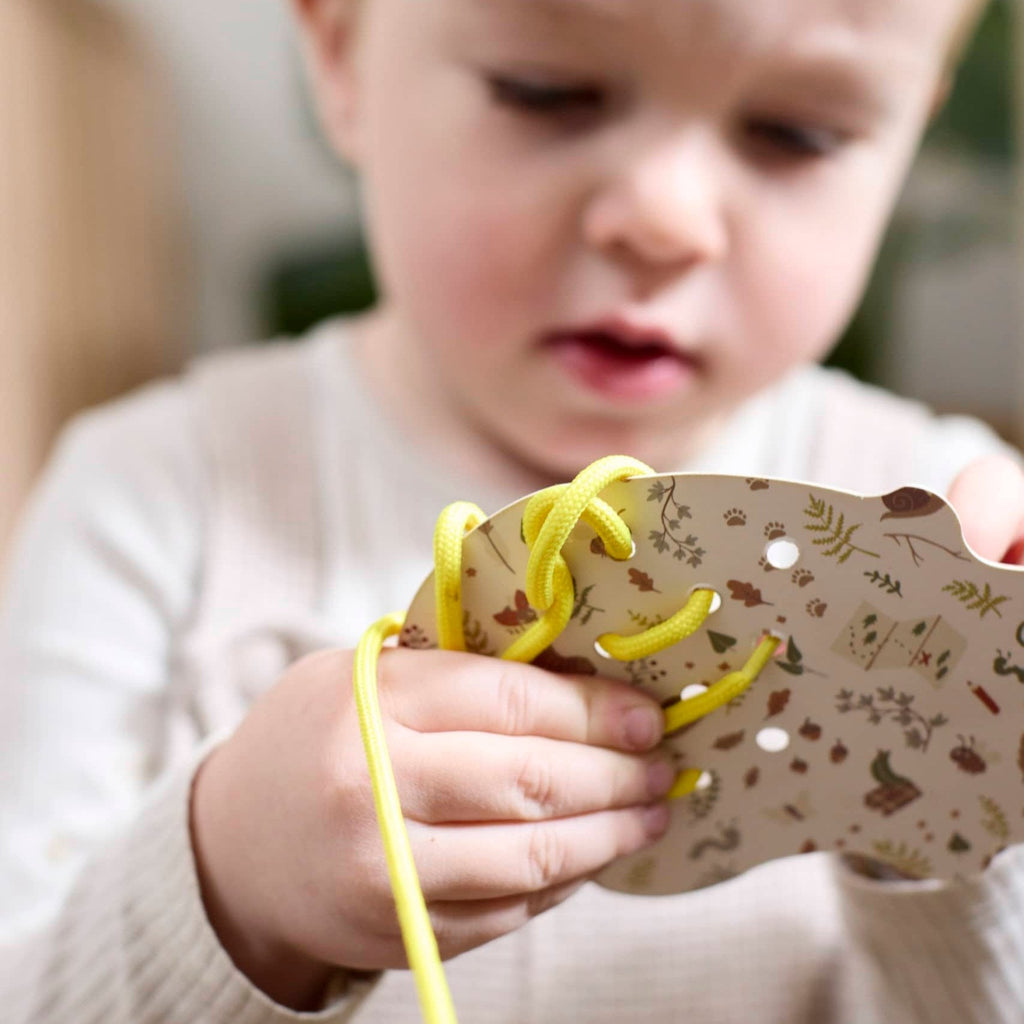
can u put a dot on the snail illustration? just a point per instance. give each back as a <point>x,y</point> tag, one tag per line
<point>910,503</point>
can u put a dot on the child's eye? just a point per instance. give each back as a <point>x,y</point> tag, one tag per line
<point>795,140</point>
<point>544,99</point>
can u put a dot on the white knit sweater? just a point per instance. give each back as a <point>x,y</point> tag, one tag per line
<point>190,540</point>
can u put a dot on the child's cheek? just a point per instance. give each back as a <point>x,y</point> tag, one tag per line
<point>799,304</point>
<point>479,262</point>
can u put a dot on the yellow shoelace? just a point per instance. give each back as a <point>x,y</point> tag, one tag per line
<point>548,519</point>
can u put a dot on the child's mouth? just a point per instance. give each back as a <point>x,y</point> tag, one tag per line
<point>628,370</point>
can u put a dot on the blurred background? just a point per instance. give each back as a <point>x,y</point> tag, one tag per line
<point>164,190</point>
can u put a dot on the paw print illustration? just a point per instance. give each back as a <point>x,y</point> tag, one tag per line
<point>775,530</point>
<point>735,517</point>
<point>765,564</point>
<point>756,483</point>
<point>801,577</point>
<point>413,636</point>
<point>816,608</point>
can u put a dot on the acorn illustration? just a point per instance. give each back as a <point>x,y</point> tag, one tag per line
<point>893,791</point>
<point>798,765</point>
<point>957,844</point>
<point>837,755</point>
<point>576,664</point>
<point>910,503</point>
<point>967,758</point>
<point>810,730</point>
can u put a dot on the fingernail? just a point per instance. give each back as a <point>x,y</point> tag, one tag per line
<point>655,820</point>
<point>643,727</point>
<point>660,777</point>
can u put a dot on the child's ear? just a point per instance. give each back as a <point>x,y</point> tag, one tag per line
<point>329,29</point>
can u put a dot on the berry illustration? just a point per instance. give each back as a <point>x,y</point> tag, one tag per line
<point>810,730</point>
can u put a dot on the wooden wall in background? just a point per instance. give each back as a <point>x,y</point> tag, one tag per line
<point>92,282</point>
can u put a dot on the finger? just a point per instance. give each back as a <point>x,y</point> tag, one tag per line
<point>463,925</point>
<point>989,500</point>
<point>476,862</point>
<point>1015,553</point>
<point>444,691</point>
<point>520,778</point>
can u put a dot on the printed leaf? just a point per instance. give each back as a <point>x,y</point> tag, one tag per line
<point>641,581</point>
<point>720,642</point>
<point>507,617</point>
<point>793,652</point>
<point>745,592</point>
<point>730,740</point>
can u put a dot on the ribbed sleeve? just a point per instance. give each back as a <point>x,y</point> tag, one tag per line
<point>933,953</point>
<point>132,945</point>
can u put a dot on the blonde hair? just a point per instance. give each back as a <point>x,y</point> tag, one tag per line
<point>90,265</point>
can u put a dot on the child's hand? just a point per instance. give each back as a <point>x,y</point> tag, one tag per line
<point>516,784</point>
<point>989,499</point>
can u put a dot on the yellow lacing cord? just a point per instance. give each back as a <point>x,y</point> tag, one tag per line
<point>452,525</point>
<point>413,919</point>
<point>728,688</point>
<point>548,519</point>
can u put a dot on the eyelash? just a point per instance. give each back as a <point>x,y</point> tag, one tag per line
<point>793,139</point>
<point>550,101</point>
<point>544,100</point>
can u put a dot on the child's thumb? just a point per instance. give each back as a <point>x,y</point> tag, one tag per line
<point>989,499</point>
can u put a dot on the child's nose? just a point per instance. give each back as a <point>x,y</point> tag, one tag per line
<point>662,207</point>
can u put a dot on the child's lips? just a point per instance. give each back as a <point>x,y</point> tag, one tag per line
<point>633,368</point>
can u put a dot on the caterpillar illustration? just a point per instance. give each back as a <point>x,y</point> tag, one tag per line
<point>728,839</point>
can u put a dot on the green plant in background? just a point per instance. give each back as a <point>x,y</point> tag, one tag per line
<point>976,121</point>
<point>304,285</point>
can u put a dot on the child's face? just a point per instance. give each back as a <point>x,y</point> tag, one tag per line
<point>714,173</point>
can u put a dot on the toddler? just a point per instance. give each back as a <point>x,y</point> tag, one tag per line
<point>598,226</point>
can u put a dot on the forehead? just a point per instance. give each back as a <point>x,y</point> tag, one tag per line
<point>918,28</point>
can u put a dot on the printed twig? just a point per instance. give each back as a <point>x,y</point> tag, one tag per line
<point>918,558</point>
<point>485,529</point>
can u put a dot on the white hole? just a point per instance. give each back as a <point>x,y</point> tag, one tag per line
<point>716,597</point>
<point>782,553</point>
<point>632,550</point>
<point>772,739</point>
<point>600,650</point>
<point>704,781</point>
<point>693,690</point>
